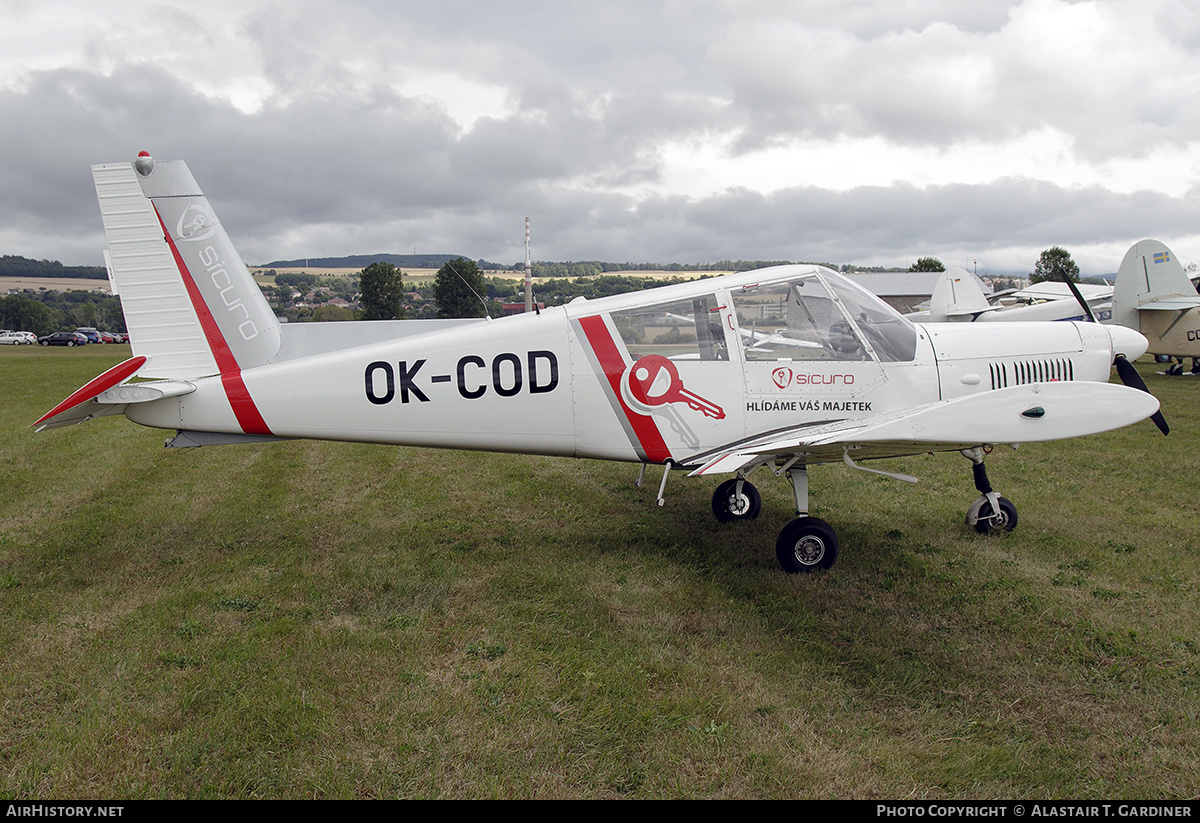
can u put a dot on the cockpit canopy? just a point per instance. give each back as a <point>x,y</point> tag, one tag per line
<point>820,316</point>
<point>813,314</point>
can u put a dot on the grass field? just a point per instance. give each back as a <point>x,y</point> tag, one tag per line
<point>325,620</point>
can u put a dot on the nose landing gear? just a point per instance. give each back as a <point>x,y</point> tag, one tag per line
<point>990,512</point>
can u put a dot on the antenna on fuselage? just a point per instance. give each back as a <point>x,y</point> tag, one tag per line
<point>467,283</point>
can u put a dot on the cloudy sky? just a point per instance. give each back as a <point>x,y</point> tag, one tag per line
<point>870,131</point>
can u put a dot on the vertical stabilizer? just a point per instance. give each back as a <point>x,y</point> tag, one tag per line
<point>957,295</point>
<point>191,306</point>
<point>1149,275</point>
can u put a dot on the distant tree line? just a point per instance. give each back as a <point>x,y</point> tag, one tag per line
<point>459,290</point>
<point>361,261</point>
<point>13,265</point>
<point>592,268</point>
<point>44,311</point>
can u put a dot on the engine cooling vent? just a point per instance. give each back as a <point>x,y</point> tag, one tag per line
<point>1031,371</point>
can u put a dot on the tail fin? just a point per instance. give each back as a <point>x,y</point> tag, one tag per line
<point>191,307</point>
<point>1150,278</point>
<point>958,295</point>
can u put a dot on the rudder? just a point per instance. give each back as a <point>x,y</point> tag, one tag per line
<point>191,307</point>
<point>1149,273</point>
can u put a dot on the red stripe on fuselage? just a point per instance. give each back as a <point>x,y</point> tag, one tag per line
<point>614,365</point>
<point>247,413</point>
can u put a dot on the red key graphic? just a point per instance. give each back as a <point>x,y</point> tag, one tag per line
<point>654,381</point>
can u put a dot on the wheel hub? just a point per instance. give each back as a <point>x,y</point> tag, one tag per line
<point>809,550</point>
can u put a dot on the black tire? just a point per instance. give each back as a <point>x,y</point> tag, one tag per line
<point>805,545</point>
<point>43,342</point>
<point>1007,521</point>
<point>728,505</point>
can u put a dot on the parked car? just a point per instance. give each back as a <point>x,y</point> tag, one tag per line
<point>90,334</point>
<point>17,338</point>
<point>63,338</point>
<point>107,337</point>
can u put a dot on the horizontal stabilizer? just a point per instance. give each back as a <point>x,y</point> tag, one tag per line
<point>110,394</point>
<point>1172,304</point>
<point>62,414</point>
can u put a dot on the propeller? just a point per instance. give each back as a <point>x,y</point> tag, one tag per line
<point>1079,298</point>
<point>1125,370</point>
<point>1130,377</point>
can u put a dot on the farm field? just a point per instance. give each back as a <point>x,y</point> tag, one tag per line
<point>325,620</point>
<point>54,284</point>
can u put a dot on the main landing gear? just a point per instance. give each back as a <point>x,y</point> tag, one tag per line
<point>806,544</point>
<point>809,543</point>
<point>1176,367</point>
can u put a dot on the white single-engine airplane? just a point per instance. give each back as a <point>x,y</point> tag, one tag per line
<point>958,297</point>
<point>781,368</point>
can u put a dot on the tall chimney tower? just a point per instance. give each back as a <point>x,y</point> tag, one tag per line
<point>528,271</point>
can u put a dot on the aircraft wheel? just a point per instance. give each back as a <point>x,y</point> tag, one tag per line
<point>806,544</point>
<point>728,505</point>
<point>984,523</point>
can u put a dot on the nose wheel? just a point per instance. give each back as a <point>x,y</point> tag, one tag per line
<point>736,500</point>
<point>990,512</point>
<point>986,517</point>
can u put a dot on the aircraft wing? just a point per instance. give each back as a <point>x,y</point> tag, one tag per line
<point>1018,414</point>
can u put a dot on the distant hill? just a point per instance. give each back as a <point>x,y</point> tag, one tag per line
<point>361,261</point>
<point>13,265</point>
<point>540,269</point>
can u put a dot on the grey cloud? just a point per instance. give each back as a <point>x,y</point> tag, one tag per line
<point>347,154</point>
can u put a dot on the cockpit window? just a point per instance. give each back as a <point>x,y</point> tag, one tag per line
<point>889,334</point>
<point>816,317</point>
<point>682,330</point>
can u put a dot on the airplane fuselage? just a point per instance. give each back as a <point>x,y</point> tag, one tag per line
<point>711,363</point>
<point>1171,334</point>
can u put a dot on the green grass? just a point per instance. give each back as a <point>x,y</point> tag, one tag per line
<point>329,620</point>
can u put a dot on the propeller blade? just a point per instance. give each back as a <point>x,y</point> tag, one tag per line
<point>1079,299</point>
<point>1130,377</point>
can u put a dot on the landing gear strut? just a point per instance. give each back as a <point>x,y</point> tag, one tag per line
<point>807,543</point>
<point>990,512</point>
